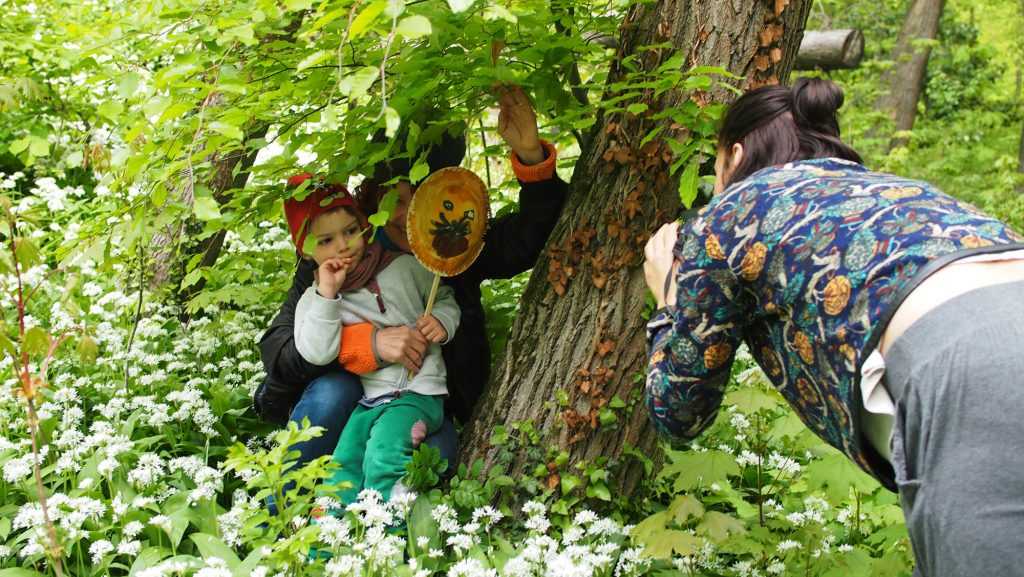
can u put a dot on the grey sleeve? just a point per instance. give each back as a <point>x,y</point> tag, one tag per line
<point>318,327</point>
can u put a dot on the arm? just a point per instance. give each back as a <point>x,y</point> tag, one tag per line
<point>514,242</point>
<point>692,344</point>
<point>318,327</point>
<point>281,359</point>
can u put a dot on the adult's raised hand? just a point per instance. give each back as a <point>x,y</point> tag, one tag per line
<point>517,124</point>
<point>659,263</point>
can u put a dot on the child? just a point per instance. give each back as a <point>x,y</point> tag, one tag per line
<point>396,412</point>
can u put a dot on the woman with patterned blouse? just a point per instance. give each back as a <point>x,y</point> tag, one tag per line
<point>887,313</point>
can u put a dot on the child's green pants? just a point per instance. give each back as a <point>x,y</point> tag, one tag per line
<point>376,443</point>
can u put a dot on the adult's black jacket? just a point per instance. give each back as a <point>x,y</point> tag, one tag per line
<point>511,245</point>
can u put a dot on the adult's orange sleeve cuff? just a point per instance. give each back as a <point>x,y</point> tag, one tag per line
<point>538,172</point>
<point>356,353</point>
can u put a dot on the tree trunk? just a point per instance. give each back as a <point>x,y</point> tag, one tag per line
<point>905,79</point>
<point>830,50</point>
<point>578,342</point>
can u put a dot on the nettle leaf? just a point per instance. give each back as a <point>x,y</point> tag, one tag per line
<point>696,469</point>
<point>413,26</point>
<point>837,475</point>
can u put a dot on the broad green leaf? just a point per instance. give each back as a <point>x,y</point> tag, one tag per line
<point>751,399</point>
<point>684,507</point>
<point>670,543</point>
<point>36,341</point>
<point>312,60</point>
<point>651,526</point>
<point>20,572</point>
<point>39,147</point>
<point>206,208</point>
<point>211,546</point>
<point>636,108</point>
<point>247,567</point>
<point>422,523</point>
<point>227,130</point>
<point>18,146</point>
<point>419,171</point>
<point>459,5</point>
<point>358,83</point>
<point>695,469</point>
<point>391,121</point>
<point>853,563</point>
<point>569,482</point>
<point>688,185</point>
<point>88,350</point>
<point>837,475</point>
<point>365,18</point>
<point>413,26</point>
<point>718,526</point>
<point>6,344</point>
<point>298,4</point>
<point>499,12</point>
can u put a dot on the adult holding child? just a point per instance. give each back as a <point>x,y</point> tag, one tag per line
<point>295,389</point>
<point>884,311</point>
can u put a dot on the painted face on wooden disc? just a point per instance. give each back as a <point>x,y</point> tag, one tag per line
<point>447,220</point>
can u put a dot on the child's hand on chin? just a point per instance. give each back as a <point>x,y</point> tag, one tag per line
<point>432,329</point>
<point>331,275</point>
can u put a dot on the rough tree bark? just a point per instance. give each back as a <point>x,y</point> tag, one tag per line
<point>578,341</point>
<point>905,80</point>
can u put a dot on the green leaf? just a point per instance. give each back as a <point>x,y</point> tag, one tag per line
<point>695,469</point>
<point>391,121</point>
<point>227,130</point>
<point>684,507</point>
<point>569,482</point>
<point>459,5</point>
<point>39,147</point>
<point>211,546</point>
<point>751,400</point>
<point>20,572</point>
<point>247,567</point>
<point>837,475</point>
<point>19,145</point>
<point>312,60</point>
<point>365,18</point>
<point>206,208</point>
<point>688,185</point>
<point>36,341</point>
<point>413,26</point>
<point>419,171</point>
<point>850,564</point>
<point>6,344</point>
<point>718,526</point>
<point>358,83</point>
<point>669,543</point>
<point>636,108</point>
<point>422,523</point>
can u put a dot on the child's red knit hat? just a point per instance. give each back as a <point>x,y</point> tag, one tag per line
<point>324,198</point>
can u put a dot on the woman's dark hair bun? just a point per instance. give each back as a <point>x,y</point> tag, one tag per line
<point>815,104</point>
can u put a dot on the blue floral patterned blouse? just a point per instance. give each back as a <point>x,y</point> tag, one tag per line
<point>805,263</point>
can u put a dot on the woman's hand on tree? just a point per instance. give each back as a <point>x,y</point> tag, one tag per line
<point>432,329</point>
<point>659,263</point>
<point>517,124</point>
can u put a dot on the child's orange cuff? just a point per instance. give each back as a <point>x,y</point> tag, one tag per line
<point>356,353</point>
<point>538,172</point>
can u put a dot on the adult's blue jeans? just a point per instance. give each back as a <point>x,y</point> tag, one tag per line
<point>328,402</point>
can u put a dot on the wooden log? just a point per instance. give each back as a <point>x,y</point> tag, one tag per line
<point>830,49</point>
